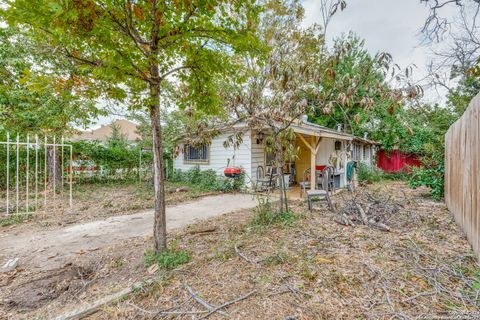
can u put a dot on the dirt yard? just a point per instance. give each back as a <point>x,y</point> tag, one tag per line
<point>311,268</point>
<point>97,201</point>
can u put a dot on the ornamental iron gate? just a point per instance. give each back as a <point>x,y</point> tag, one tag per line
<point>30,174</point>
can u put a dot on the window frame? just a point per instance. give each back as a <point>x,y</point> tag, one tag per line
<point>186,155</point>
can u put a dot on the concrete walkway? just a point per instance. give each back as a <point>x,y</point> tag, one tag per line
<point>51,249</point>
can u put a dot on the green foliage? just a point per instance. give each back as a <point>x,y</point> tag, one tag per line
<point>113,46</point>
<point>265,216</point>
<point>431,177</point>
<point>430,127</point>
<point>353,87</point>
<point>369,174</point>
<point>14,219</point>
<point>208,180</point>
<point>168,259</point>
<point>115,159</point>
<point>32,98</point>
<point>396,176</point>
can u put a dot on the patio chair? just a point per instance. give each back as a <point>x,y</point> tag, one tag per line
<point>305,183</point>
<point>322,194</point>
<point>265,180</point>
<point>328,183</point>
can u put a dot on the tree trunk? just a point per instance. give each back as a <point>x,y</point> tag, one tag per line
<point>160,223</point>
<point>54,169</point>
<point>283,190</point>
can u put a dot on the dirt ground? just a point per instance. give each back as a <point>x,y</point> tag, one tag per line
<point>314,268</point>
<point>98,201</point>
<point>50,249</point>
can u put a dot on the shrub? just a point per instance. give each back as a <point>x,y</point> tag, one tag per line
<point>14,219</point>
<point>169,259</point>
<point>208,180</point>
<point>431,177</point>
<point>265,215</point>
<point>368,174</point>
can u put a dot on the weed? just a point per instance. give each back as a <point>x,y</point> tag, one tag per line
<point>276,259</point>
<point>14,219</point>
<point>265,215</point>
<point>433,178</point>
<point>369,174</point>
<point>117,263</point>
<point>168,259</point>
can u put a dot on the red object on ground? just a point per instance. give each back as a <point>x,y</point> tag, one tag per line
<point>232,172</point>
<point>320,168</point>
<point>394,161</point>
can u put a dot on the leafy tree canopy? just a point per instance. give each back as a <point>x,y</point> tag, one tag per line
<point>32,98</point>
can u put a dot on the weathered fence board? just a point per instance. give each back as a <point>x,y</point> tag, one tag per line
<point>462,170</point>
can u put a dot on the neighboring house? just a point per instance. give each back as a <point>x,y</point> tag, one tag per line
<point>318,147</point>
<point>127,128</point>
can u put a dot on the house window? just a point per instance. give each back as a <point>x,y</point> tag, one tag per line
<point>356,152</point>
<point>269,158</point>
<point>198,154</point>
<point>365,154</point>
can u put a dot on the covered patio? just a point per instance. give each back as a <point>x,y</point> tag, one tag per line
<point>320,147</point>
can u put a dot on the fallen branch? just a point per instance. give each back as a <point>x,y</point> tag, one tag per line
<point>97,305</point>
<point>362,213</point>
<point>203,231</point>
<point>244,257</point>
<point>226,304</point>
<point>364,209</point>
<point>422,294</point>
<point>203,302</point>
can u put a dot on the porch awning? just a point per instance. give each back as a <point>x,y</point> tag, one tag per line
<point>318,131</point>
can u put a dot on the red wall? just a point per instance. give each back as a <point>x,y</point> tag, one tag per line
<point>393,161</point>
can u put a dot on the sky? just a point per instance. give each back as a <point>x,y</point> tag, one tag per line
<point>391,26</point>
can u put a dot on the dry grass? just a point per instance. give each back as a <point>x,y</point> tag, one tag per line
<point>313,268</point>
<point>319,269</point>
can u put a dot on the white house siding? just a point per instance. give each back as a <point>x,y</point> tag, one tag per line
<point>258,156</point>
<point>327,147</point>
<point>219,156</point>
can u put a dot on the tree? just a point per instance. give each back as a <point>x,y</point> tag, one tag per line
<point>362,93</point>
<point>33,101</point>
<point>273,91</point>
<point>131,49</point>
<point>328,8</point>
<point>436,25</point>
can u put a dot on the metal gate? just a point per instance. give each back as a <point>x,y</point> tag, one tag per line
<point>26,174</point>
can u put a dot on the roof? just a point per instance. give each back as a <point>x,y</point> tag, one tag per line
<point>127,128</point>
<point>366,141</point>
<point>304,127</point>
<point>320,131</point>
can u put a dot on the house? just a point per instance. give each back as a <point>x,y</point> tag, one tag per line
<point>126,128</point>
<point>318,147</point>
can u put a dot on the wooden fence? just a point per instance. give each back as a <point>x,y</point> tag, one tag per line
<point>462,172</point>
